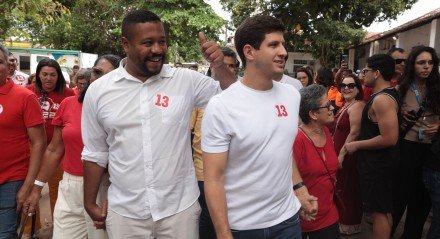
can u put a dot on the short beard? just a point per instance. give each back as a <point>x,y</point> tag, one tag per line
<point>149,73</point>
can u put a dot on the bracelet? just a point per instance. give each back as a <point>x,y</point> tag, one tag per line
<point>39,183</point>
<point>298,185</point>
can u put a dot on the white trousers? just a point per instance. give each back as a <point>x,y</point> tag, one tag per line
<point>71,220</point>
<point>183,225</point>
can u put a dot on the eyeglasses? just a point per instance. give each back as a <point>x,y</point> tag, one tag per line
<point>423,62</point>
<point>97,71</point>
<point>364,71</point>
<point>399,61</point>
<point>350,86</point>
<point>328,106</point>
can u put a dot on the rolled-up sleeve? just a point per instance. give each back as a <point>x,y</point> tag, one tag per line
<point>93,134</point>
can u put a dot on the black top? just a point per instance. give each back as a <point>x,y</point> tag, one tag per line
<point>371,160</point>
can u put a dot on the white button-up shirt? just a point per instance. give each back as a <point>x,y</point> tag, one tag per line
<point>140,131</point>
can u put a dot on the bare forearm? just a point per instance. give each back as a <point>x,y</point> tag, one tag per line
<point>296,176</point>
<point>35,159</point>
<point>352,136</point>
<point>378,142</point>
<point>216,200</point>
<point>49,164</point>
<point>92,179</point>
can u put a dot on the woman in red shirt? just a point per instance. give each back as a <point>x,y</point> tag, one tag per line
<point>50,88</point>
<point>70,218</point>
<point>317,161</point>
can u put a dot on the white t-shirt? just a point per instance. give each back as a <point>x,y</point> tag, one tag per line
<point>291,81</point>
<point>140,131</point>
<point>20,78</point>
<point>258,129</point>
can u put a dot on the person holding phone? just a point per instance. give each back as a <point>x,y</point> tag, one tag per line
<point>419,89</point>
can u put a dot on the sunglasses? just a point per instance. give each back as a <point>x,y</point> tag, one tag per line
<point>328,106</point>
<point>399,61</point>
<point>350,86</point>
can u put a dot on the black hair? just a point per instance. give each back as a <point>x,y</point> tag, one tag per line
<point>252,32</point>
<point>394,49</point>
<point>229,52</point>
<point>309,76</point>
<point>134,17</point>
<point>383,63</point>
<point>113,59</point>
<point>61,82</point>
<point>432,82</point>
<point>324,77</point>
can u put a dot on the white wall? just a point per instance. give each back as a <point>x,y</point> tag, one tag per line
<point>415,37</point>
<point>434,39</point>
<point>301,56</point>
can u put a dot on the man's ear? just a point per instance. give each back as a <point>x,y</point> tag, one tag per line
<point>125,44</point>
<point>249,52</point>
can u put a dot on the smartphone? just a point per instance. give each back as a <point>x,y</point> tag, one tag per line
<point>345,58</point>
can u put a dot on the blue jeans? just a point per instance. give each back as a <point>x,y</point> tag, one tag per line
<point>289,229</point>
<point>431,179</point>
<point>8,214</point>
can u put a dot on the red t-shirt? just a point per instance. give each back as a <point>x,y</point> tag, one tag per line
<point>76,91</point>
<point>19,110</point>
<point>68,117</point>
<point>50,104</point>
<point>316,179</point>
<point>368,91</point>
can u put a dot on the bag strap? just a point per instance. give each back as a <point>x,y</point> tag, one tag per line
<point>339,117</point>
<point>333,180</point>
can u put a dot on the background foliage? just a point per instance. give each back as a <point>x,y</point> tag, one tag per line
<point>94,25</point>
<point>323,27</point>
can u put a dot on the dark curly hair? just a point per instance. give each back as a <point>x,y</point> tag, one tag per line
<point>432,82</point>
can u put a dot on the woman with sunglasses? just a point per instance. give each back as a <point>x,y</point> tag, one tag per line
<point>346,128</point>
<point>420,92</point>
<point>50,88</point>
<point>70,218</point>
<point>317,161</point>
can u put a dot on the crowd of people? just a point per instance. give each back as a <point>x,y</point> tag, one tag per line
<point>271,156</point>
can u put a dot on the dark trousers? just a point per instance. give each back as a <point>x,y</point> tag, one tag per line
<point>431,178</point>
<point>330,232</point>
<point>409,191</point>
<point>289,229</point>
<point>206,228</point>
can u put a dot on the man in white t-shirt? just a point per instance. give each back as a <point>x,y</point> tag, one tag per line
<point>135,122</point>
<point>247,135</point>
<point>285,79</point>
<point>18,77</point>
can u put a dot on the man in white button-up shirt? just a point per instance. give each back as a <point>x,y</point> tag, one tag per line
<point>135,122</point>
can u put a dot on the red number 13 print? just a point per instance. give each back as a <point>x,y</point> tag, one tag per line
<point>281,110</point>
<point>162,100</point>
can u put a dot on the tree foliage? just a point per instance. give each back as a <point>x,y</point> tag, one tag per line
<point>23,18</point>
<point>323,27</point>
<point>94,25</point>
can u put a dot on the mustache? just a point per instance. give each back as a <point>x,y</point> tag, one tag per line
<point>148,58</point>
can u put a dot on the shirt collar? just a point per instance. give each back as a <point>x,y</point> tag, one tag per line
<point>6,87</point>
<point>166,72</point>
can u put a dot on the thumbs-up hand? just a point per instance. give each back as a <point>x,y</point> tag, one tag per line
<point>211,51</point>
